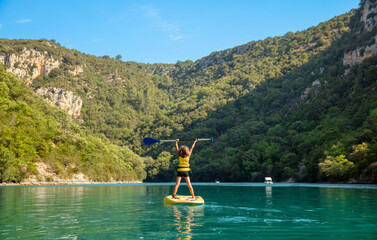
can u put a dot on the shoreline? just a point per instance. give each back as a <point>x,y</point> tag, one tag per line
<point>45,183</point>
<point>75,183</point>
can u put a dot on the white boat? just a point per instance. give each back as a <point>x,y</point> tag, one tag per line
<point>268,180</point>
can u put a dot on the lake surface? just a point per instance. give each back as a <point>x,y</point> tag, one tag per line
<point>231,211</point>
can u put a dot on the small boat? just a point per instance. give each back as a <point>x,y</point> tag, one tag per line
<point>184,200</point>
<point>217,180</point>
<point>268,180</point>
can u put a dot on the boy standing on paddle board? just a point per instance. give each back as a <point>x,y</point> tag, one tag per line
<point>183,166</point>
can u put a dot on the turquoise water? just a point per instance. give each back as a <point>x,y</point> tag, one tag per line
<point>231,211</point>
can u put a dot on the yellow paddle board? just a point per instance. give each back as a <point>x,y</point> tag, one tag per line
<point>185,200</point>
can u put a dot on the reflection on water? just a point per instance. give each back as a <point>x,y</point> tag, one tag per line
<point>185,218</point>
<point>39,209</point>
<point>268,192</point>
<point>269,200</point>
<point>64,212</point>
<point>230,212</point>
<point>183,223</point>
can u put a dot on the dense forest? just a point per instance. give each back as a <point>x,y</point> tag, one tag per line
<point>33,131</point>
<point>285,107</point>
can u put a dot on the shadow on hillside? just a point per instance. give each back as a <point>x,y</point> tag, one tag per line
<point>263,116</point>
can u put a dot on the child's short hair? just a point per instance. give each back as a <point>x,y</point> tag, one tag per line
<point>183,151</point>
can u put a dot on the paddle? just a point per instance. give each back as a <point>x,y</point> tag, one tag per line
<point>149,141</point>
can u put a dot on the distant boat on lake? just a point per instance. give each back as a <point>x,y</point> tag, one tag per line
<point>268,180</point>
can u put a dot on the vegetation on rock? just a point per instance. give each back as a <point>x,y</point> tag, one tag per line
<point>32,131</point>
<point>285,107</point>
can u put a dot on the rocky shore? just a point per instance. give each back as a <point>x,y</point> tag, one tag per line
<point>46,176</point>
<point>64,182</point>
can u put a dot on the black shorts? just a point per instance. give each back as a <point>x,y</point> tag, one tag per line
<point>182,174</point>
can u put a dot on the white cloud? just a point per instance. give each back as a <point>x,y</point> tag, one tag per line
<point>173,30</point>
<point>150,11</point>
<point>175,37</point>
<point>23,21</point>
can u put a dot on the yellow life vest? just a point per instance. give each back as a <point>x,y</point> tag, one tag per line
<point>183,164</point>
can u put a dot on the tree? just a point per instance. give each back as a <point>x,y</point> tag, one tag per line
<point>336,169</point>
<point>360,152</point>
<point>160,165</point>
<point>118,57</point>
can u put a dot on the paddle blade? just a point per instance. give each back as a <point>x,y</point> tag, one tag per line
<point>149,141</point>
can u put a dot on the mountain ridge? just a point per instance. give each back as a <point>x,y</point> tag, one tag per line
<point>245,85</point>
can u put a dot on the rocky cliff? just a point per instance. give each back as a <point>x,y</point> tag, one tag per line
<point>29,64</point>
<point>369,20</point>
<point>359,54</point>
<point>369,14</point>
<point>65,100</point>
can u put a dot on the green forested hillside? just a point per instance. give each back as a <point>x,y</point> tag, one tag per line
<point>276,131</point>
<point>127,101</point>
<point>32,131</point>
<point>285,107</point>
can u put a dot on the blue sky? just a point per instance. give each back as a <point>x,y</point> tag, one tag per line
<point>161,31</point>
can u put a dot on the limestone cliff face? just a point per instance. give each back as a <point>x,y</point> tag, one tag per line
<point>369,15</point>
<point>76,70</point>
<point>65,100</point>
<point>369,18</point>
<point>359,54</point>
<point>29,64</point>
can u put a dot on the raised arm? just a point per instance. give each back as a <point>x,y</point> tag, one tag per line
<point>176,146</point>
<point>192,147</point>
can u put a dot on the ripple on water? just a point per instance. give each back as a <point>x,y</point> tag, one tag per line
<point>137,212</point>
<point>237,219</point>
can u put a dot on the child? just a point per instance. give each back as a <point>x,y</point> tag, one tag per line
<point>183,166</point>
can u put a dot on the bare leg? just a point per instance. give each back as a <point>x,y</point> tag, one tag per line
<point>178,181</point>
<point>190,187</point>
